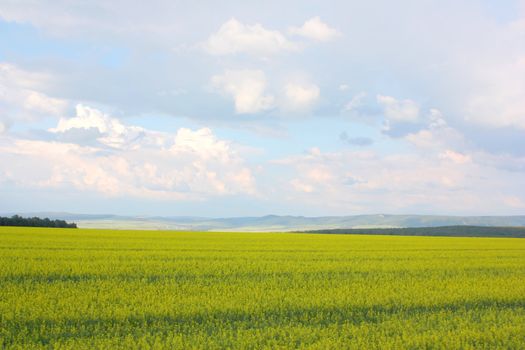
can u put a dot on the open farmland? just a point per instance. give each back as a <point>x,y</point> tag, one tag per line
<point>89,289</point>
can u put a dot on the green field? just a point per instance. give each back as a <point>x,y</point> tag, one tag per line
<point>89,289</point>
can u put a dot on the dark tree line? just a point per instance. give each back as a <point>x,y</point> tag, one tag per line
<point>17,220</point>
<point>449,231</point>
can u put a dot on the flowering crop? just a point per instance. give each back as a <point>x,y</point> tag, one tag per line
<point>100,289</point>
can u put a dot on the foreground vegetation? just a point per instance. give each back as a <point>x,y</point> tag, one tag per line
<point>447,231</point>
<point>89,289</point>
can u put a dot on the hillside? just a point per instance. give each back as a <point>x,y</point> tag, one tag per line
<point>279,223</point>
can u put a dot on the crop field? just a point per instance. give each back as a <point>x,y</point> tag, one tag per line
<point>103,289</point>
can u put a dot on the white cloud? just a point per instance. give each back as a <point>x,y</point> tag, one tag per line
<point>360,181</point>
<point>436,120</point>
<point>355,102</point>
<point>300,97</point>
<point>201,142</point>
<point>190,164</point>
<point>315,29</point>
<point>40,103</point>
<point>300,186</point>
<point>477,77</point>
<point>436,139</point>
<point>235,37</point>
<point>313,179</point>
<point>109,131</point>
<point>399,110</point>
<point>20,98</point>
<point>455,157</point>
<point>437,136</point>
<point>87,118</point>
<point>247,88</point>
<point>514,202</point>
<point>14,77</point>
<point>498,99</point>
<point>249,91</point>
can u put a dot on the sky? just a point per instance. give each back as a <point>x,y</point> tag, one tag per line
<point>248,108</point>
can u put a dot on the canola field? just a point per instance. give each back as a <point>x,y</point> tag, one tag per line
<point>104,289</point>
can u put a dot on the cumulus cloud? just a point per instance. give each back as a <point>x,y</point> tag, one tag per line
<point>190,164</point>
<point>105,129</point>
<point>367,181</point>
<point>399,110</point>
<point>201,142</point>
<point>436,135</point>
<point>477,79</point>
<point>250,93</point>
<point>300,96</point>
<point>315,29</point>
<point>21,98</point>
<point>247,88</point>
<point>236,37</point>
<point>404,118</point>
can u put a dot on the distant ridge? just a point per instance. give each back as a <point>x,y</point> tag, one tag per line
<point>278,223</point>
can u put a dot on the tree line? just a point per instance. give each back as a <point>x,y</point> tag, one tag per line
<point>17,220</point>
<point>448,231</point>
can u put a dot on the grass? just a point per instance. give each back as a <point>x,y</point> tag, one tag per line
<point>99,289</point>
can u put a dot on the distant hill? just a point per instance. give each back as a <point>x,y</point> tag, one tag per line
<point>279,223</point>
<point>447,231</point>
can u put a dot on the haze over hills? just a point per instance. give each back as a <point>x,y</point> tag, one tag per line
<point>276,222</point>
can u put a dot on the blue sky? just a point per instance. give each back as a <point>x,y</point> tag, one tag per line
<point>276,107</point>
